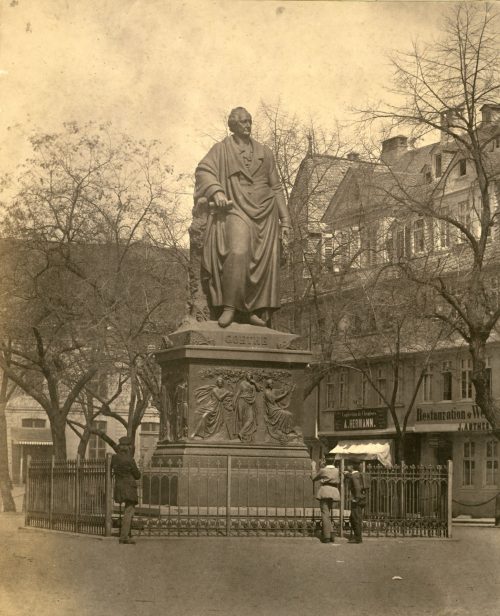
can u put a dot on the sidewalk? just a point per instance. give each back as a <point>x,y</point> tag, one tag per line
<point>50,574</point>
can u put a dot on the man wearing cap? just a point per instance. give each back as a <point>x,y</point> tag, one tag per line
<point>126,473</point>
<point>358,501</point>
<point>328,493</point>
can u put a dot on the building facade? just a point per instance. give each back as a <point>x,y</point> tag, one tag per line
<point>390,372</point>
<point>29,434</point>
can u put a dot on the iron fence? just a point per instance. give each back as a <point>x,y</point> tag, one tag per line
<point>69,495</point>
<point>407,501</point>
<point>224,495</point>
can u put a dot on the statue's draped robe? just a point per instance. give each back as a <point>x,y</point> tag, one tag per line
<point>241,247</point>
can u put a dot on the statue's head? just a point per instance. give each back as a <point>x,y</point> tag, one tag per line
<point>240,122</point>
<point>219,382</point>
<point>269,383</point>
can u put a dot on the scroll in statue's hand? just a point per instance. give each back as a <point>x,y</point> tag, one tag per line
<point>220,200</point>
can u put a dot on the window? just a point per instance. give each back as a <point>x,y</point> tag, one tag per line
<point>466,380</point>
<point>343,387</point>
<point>447,377</point>
<point>494,292</point>
<point>462,166</point>
<point>488,374</point>
<point>403,242</point>
<point>419,236</point>
<point>364,390</point>
<point>150,426</point>
<point>399,392</point>
<point>33,423</point>
<point>464,217</point>
<point>469,463</point>
<point>438,165</point>
<point>491,477</point>
<point>330,391</point>
<point>443,231</point>
<point>327,247</point>
<point>97,447</point>
<point>427,385</point>
<point>381,386</point>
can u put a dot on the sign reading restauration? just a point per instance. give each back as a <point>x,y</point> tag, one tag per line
<point>468,418</point>
<point>361,419</point>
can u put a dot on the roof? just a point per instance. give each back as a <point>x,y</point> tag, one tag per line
<point>31,436</point>
<point>319,177</point>
<point>414,159</point>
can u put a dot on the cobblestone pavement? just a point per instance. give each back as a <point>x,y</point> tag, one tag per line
<point>51,574</point>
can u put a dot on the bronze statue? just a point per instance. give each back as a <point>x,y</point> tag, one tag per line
<point>247,208</point>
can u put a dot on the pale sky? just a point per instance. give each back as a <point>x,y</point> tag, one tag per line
<point>170,69</point>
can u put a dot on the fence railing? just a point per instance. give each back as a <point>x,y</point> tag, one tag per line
<point>69,495</point>
<point>407,501</point>
<point>224,495</point>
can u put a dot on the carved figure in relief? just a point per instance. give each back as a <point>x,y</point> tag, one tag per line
<point>245,409</point>
<point>279,419</point>
<point>181,409</point>
<point>215,407</point>
<point>167,416</point>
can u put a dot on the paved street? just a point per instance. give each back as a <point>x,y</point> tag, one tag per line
<point>49,574</point>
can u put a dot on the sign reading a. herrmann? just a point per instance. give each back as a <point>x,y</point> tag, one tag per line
<point>361,419</point>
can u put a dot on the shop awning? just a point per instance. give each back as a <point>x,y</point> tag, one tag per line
<point>31,436</point>
<point>364,450</point>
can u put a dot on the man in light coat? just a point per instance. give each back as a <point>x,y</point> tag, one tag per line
<point>328,493</point>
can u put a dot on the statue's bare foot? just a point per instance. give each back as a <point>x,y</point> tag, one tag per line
<point>255,320</point>
<point>227,317</point>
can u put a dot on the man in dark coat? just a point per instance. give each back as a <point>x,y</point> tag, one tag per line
<point>241,249</point>
<point>358,501</point>
<point>126,473</point>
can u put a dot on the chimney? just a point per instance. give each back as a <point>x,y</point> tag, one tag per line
<point>393,149</point>
<point>451,118</point>
<point>353,156</point>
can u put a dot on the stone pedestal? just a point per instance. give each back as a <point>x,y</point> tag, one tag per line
<point>234,393</point>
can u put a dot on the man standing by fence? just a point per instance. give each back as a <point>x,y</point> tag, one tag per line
<point>358,501</point>
<point>328,494</point>
<point>126,473</point>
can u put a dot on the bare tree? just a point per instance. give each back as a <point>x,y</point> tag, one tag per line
<point>452,86</point>
<point>86,280</point>
<point>386,329</point>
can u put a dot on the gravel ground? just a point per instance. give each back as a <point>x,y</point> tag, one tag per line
<point>52,574</point>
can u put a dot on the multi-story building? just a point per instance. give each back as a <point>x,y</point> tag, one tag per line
<point>369,224</point>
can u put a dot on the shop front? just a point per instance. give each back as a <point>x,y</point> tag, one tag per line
<point>459,432</point>
<point>32,442</point>
<point>364,434</point>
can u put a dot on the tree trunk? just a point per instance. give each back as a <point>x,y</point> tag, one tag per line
<point>82,445</point>
<point>5,482</point>
<point>400,448</point>
<point>58,429</point>
<point>482,385</point>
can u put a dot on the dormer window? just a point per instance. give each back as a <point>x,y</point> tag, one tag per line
<point>438,165</point>
<point>462,166</point>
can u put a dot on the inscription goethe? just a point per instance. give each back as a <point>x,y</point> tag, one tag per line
<point>246,339</point>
